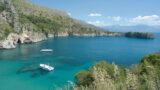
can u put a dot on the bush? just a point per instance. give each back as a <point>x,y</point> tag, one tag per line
<point>84,78</point>
<point>123,73</point>
<point>5,30</point>
<point>153,59</point>
<point>2,7</point>
<point>108,67</point>
<point>145,76</point>
<point>149,61</point>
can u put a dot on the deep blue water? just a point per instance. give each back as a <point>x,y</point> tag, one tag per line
<point>19,68</point>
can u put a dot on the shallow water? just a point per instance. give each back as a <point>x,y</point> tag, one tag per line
<point>19,68</point>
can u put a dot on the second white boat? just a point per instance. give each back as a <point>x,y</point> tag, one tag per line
<point>46,50</point>
<point>46,67</point>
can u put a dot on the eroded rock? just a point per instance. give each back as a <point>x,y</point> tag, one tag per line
<point>9,42</point>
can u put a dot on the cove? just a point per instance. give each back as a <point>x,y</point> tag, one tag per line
<point>19,68</point>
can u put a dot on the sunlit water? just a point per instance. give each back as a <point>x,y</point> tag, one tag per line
<point>19,68</point>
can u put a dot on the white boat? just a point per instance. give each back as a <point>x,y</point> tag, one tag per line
<point>46,67</point>
<point>46,50</point>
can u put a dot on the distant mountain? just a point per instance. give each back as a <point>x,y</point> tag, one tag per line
<point>136,28</point>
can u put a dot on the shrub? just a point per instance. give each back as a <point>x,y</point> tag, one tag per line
<point>84,78</point>
<point>5,30</point>
<point>108,67</point>
<point>145,76</point>
<point>2,7</point>
<point>153,59</point>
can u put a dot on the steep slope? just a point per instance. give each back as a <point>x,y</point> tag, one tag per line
<point>24,22</point>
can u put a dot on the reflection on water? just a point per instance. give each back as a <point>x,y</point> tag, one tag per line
<point>34,69</point>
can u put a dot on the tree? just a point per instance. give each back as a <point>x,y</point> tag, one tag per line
<point>84,78</point>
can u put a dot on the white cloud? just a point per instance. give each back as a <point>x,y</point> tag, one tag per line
<point>69,13</point>
<point>118,18</point>
<point>98,23</point>
<point>95,15</point>
<point>115,18</point>
<point>148,20</point>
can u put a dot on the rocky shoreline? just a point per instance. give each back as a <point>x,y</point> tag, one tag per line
<point>25,31</point>
<point>19,25</point>
<point>27,37</point>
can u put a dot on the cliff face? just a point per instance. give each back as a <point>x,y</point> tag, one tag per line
<point>18,33</point>
<point>9,42</point>
<point>23,22</point>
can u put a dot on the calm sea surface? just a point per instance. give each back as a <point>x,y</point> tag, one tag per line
<point>19,68</point>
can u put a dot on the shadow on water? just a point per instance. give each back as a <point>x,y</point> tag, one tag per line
<point>39,73</point>
<point>35,71</point>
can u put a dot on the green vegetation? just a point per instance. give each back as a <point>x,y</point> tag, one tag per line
<point>47,20</point>
<point>23,15</point>
<point>5,29</point>
<point>107,67</point>
<point>84,78</point>
<point>149,73</point>
<point>2,7</point>
<point>57,24</point>
<point>41,24</point>
<point>139,35</point>
<point>104,76</point>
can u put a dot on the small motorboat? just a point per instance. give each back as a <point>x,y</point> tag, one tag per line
<point>46,50</point>
<point>46,67</point>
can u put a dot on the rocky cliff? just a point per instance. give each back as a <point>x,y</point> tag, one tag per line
<point>23,22</point>
<point>18,33</point>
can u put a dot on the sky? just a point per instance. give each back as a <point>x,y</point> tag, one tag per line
<point>108,12</point>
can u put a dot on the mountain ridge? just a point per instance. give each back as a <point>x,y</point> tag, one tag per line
<point>134,28</point>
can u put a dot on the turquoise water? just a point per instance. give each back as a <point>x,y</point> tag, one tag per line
<point>19,68</point>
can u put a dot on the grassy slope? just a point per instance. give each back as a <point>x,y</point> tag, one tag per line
<point>50,21</point>
<point>5,29</point>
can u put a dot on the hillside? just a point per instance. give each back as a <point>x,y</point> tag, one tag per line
<point>24,22</point>
<point>104,76</point>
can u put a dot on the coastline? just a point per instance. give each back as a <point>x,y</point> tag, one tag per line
<point>32,37</point>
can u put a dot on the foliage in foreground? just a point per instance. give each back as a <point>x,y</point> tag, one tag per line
<point>2,7</point>
<point>104,76</point>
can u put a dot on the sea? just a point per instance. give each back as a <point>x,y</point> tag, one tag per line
<point>20,70</point>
